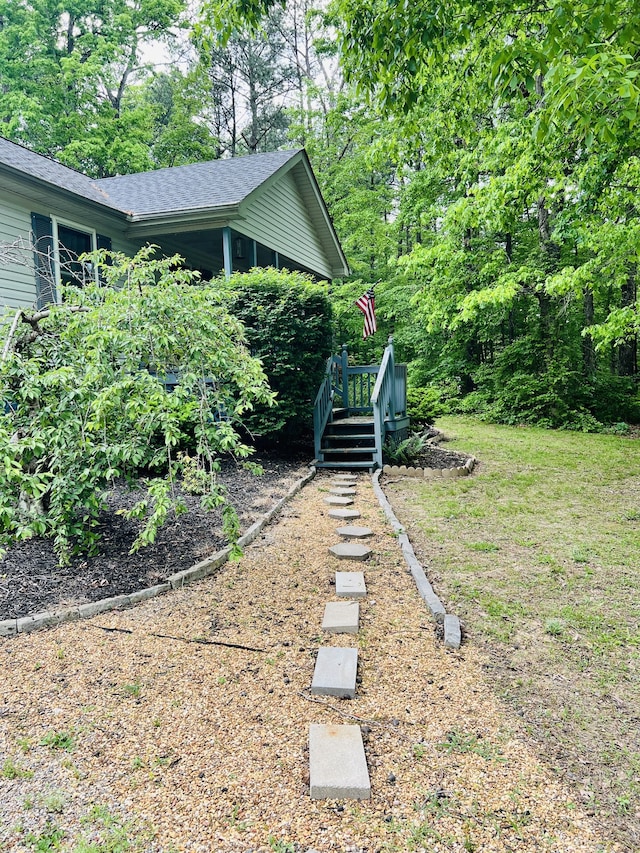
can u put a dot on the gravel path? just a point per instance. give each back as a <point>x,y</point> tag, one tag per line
<point>154,726</point>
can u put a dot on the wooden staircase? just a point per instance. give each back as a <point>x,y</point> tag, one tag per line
<point>356,408</point>
<point>348,443</point>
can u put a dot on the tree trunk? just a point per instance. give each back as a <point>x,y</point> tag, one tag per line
<point>627,354</point>
<point>588,348</point>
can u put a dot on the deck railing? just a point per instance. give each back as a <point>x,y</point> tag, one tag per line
<point>362,389</point>
<point>323,405</point>
<point>383,399</point>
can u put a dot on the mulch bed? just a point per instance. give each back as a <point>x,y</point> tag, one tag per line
<point>438,457</point>
<point>31,580</point>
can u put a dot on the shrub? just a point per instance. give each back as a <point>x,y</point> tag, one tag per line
<point>287,319</point>
<point>424,405</point>
<point>88,402</point>
<point>406,451</point>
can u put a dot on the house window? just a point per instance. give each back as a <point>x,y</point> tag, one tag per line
<point>57,245</point>
<point>70,242</point>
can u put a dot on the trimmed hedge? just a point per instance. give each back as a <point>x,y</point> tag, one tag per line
<point>288,322</point>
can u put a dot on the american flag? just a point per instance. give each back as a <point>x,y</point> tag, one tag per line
<point>367,304</point>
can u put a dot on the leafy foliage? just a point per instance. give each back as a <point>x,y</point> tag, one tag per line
<point>86,401</point>
<point>406,451</point>
<point>513,292</point>
<point>67,69</point>
<point>287,319</point>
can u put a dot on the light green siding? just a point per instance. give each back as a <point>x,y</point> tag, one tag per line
<point>17,280</point>
<point>127,247</point>
<point>278,219</point>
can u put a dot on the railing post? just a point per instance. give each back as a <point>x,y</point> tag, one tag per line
<point>392,370</point>
<point>345,378</point>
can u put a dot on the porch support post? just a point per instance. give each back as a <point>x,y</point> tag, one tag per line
<point>226,251</point>
<point>345,378</point>
<point>276,257</point>
<point>254,253</point>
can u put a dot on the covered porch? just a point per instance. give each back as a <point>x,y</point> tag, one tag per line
<point>224,251</point>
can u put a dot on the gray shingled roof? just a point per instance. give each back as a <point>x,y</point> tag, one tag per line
<point>51,172</point>
<point>216,183</point>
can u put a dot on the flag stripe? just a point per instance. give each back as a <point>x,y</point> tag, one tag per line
<point>367,304</point>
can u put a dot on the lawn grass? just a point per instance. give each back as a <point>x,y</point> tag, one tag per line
<point>539,554</point>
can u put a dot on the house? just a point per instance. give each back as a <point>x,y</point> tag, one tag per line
<point>220,216</point>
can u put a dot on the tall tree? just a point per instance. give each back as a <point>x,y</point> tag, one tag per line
<point>515,265</point>
<point>65,73</point>
<point>250,78</point>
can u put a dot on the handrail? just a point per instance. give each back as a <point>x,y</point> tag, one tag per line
<point>350,387</point>
<point>383,398</point>
<point>322,407</point>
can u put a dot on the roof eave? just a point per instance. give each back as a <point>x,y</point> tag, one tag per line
<point>15,173</point>
<point>343,263</point>
<point>176,221</point>
<point>340,269</point>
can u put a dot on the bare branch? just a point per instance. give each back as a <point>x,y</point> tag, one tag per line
<point>7,344</point>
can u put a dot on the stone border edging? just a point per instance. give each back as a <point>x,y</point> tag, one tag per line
<point>452,637</point>
<point>47,619</point>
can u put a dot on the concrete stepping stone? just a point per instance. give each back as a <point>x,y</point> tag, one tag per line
<point>350,585</point>
<point>335,672</point>
<point>340,491</point>
<point>344,514</point>
<point>334,500</point>
<point>337,763</point>
<point>350,551</point>
<point>347,482</point>
<point>352,531</point>
<point>341,617</point>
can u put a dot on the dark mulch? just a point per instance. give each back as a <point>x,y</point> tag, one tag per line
<point>438,457</point>
<point>31,580</point>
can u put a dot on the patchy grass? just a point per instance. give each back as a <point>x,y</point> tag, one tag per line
<point>11,770</point>
<point>539,554</point>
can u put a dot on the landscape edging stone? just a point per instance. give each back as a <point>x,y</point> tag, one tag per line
<point>425,589</point>
<point>46,619</point>
<point>432,473</point>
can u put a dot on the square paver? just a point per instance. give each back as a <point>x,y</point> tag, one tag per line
<point>337,763</point>
<point>341,617</point>
<point>350,585</point>
<point>335,672</point>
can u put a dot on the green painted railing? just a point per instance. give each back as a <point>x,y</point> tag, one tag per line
<point>362,389</point>
<point>323,405</point>
<point>383,399</point>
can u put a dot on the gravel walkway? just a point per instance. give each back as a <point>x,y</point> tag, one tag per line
<point>153,726</point>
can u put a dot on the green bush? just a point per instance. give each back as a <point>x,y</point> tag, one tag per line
<point>86,401</point>
<point>287,319</point>
<point>406,451</point>
<point>424,405</point>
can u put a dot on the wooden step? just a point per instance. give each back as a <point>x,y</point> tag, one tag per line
<point>356,450</point>
<point>345,465</point>
<point>349,436</point>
